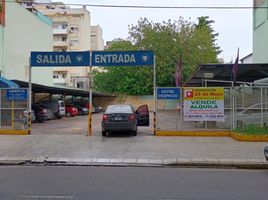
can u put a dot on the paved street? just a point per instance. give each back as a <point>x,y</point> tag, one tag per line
<point>83,183</point>
<point>65,141</point>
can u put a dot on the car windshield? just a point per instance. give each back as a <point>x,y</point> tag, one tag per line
<point>119,109</point>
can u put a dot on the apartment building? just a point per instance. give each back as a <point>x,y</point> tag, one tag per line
<point>71,32</point>
<point>260,31</point>
<point>97,42</point>
<point>21,32</point>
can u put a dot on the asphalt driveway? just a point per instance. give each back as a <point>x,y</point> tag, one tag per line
<point>77,125</point>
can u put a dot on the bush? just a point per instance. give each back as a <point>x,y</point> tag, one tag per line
<point>252,129</point>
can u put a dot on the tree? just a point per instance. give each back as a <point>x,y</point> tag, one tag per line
<point>196,43</point>
<point>124,80</point>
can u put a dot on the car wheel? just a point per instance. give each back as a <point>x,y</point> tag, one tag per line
<point>103,133</point>
<point>59,117</point>
<point>68,114</point>
<point>40,121</point>
<point>54,116</point>
<point>80,112</point>
<point>134,133</point>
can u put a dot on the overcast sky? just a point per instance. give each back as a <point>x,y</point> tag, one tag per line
<point>234,26</point>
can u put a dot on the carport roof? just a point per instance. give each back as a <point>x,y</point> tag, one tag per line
<point>37,88</point>
<point>223,72</point>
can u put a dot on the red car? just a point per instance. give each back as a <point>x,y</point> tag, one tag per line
<point>70,110</point>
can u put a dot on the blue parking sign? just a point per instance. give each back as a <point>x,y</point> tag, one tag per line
<point>16,94</point>
<point>168,93</point>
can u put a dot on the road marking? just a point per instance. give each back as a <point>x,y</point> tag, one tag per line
<point>23,197</point>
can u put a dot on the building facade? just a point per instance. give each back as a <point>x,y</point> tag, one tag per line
<point>260,31</point>
<point>71,32</point>
<point>97,43</point>
<point>21,32</point>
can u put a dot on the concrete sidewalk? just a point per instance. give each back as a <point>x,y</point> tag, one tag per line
<point>127,150</point>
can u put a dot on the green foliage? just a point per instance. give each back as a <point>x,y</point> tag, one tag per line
<point>196,43</point>
<point>252,129</point>
<point>124,80</point>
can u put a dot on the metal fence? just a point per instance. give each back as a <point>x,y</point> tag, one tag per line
<point>13,113</point>
<point>241,106</point>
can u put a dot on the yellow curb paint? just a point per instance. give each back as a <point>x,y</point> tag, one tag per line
<point>249,138</point>
<point>14,132</point>
<point>236,136</point>
<point>194,133</point>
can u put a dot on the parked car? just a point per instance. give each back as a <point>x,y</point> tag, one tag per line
<point>41,112</point>
<point>82,108</point>
<point>124,118</point>
<point>97,109</point>
<point>70,110</point>
<point>250,115</point>
<point>57,107</point>
<point>266,152</point>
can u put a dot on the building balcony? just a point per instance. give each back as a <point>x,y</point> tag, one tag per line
<point>60,43</point>
<point>60,31</point>
<point>59,81</point>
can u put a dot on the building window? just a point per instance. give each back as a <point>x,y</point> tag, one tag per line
<point>260,13</point>
<point>74,29</point>
<point>74,42</point>
<point>80,84</point>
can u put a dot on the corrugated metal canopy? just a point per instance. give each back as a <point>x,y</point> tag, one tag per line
<point>37,88</point>
<point>5,83</point>
<point>223,72</point>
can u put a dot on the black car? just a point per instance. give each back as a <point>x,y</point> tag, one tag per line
<point>124,118</point>
<point>41,112</point>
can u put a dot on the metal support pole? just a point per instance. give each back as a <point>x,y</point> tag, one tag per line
<point>12,113</point>
<point>233,106</point>
<point>30,99</point>
<point>261,108</point>
<point>206,122</point>
<point>90,98</point>
<point>155,122</point>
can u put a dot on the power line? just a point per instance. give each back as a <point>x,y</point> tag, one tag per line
<point>152,7</point>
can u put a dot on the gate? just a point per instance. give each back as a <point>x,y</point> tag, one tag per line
<point>14,111</point>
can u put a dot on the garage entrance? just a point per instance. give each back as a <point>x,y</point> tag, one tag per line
<point>88,59</point>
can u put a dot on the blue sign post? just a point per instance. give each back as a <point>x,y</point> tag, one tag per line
<point>16,94</point>
<point>60,59</point>
<point>168,93</point>
<point>122,58</point>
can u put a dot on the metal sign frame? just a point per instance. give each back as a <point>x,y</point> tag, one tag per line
<point>85,59</point>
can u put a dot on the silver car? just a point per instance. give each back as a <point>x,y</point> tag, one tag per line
<point>124,118</point>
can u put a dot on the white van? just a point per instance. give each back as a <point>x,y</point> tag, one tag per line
<point>57,108</point>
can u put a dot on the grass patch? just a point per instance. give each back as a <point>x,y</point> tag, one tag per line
<point>252,129</point>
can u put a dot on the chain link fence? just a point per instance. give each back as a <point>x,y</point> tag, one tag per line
<point>13,113</point>
<point>241,106</point>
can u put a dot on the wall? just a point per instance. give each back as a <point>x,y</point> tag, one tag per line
<point>25,32</point>
<point>260,31</point>
<point>136,101</point>
<point>1,48</point>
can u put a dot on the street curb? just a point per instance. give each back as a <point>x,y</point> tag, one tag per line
<point>182,163</point>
